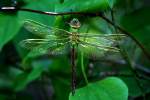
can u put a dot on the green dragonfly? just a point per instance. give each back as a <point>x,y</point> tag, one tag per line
<point>55,41</point>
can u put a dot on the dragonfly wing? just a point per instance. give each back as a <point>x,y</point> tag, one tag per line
<point>32,43</point>
<point>48,49</point>
<point>97,40</point>
<point>96,49</point>
<point>44,46</point>
<point>98,44</point>
<point>112,37</point>
<point>43,30</point>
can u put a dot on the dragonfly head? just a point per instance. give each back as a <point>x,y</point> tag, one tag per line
<point>74,23</point>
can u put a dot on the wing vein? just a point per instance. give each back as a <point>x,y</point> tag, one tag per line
<point>102,47</point>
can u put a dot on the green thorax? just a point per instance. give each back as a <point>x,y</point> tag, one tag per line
<point>74,37</point>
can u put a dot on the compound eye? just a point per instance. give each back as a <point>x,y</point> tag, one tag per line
<point>75,21</point>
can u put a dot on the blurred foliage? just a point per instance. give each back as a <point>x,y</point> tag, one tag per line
<point>49,77</point>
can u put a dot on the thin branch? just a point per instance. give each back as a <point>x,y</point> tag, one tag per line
<point>12,9</point>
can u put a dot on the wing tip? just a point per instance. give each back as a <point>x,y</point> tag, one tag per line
<point>23,44</point>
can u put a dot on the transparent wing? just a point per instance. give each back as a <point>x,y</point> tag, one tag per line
<point>52,50</point>
<point>112,37</point>
<point>43,30</point>
<point>97,40</point>
<point>105,42</point>
<point>32,43</point>
<point>96,47</point>
<point>100,47</point>
<point>40,47</point>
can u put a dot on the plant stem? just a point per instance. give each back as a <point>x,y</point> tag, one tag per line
<point>83,68</point>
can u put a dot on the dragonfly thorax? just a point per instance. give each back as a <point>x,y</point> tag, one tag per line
<point>74,37</point>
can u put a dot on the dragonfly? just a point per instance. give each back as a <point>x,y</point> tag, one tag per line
<point>56,41</point>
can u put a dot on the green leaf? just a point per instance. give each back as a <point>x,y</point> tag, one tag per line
<point>24,78</point>
<point>56,65</point>
<point>7,76</point>
<point>59,84</point>
<point>5,83</point>
<point>111,3</point>
<point>134,89</point>
<point>48,7</point>
<point>138,23</point>
<point>108,89</point>
<point>9,28</point>
<point>3,97</point>
<point>84,5</point>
